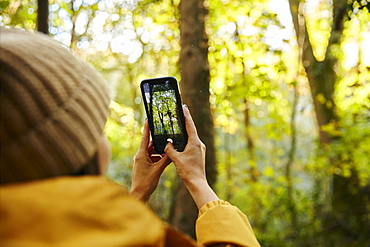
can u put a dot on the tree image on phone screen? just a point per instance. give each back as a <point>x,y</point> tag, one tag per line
<point>164,111</point>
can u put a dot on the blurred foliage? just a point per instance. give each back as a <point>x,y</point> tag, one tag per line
<point>253,63</point>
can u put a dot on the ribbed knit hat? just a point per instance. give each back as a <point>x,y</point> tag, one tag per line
<point>53,108</point>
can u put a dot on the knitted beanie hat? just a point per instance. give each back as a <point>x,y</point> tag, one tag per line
<point>53,108</point>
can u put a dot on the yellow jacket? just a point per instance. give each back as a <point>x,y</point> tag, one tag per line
<point>92,211</point>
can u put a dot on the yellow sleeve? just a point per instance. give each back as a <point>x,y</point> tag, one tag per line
<point>220,222</point>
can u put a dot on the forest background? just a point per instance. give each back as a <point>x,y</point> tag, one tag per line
<point>279,91</point>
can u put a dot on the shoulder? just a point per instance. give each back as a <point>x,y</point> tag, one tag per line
<point>88,210</point>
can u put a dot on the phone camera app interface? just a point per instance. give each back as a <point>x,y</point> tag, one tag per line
<point>161,100</point>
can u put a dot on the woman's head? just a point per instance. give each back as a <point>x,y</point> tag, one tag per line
<point>53,109</point>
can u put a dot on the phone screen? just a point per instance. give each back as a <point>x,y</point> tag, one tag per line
<point>164,111</point>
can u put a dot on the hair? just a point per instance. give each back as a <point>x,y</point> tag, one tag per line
<point>54,107</point>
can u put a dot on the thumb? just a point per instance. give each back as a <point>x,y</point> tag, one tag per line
<point>170,149</point>
<point>164,162</point>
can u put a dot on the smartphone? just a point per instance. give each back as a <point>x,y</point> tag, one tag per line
<point>163,108</point>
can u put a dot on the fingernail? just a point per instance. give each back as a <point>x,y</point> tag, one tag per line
<point>186,106</point>
<point>170,140</point>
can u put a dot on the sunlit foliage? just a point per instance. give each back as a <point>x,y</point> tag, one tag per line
<point>258,89</point>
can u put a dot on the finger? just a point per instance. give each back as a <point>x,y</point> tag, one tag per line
<point>189,123</point>
<point>145,137</point>
<point>164,162</point>
<point>170,150</point>
<point>155,158</point>
<point>151,149</point>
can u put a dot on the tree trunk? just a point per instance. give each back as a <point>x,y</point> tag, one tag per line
<point>43,16</point>
<point>195,93</point>
<point>253,171</point>
<point>288,167</point>
<point>300,34</point>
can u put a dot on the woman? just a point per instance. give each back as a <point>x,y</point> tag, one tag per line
<point>53,154</point>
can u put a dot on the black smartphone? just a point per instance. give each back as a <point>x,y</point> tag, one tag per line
<point>164,111</point>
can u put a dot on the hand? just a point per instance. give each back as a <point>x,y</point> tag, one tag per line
<point>190,164</point>
<point>147,168</point>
